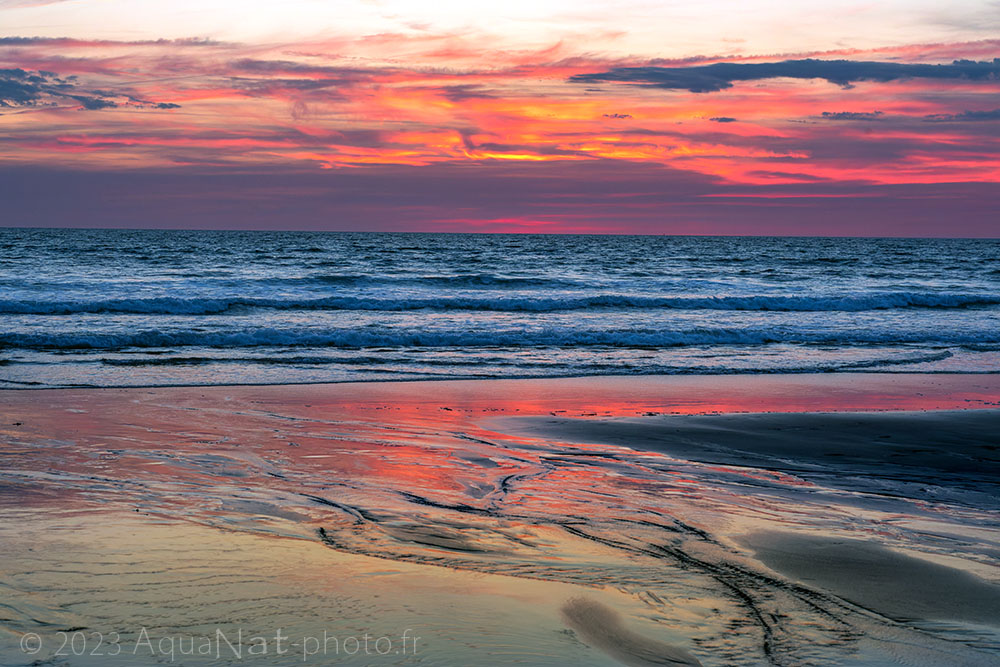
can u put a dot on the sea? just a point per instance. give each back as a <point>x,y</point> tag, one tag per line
<point>115,308</point>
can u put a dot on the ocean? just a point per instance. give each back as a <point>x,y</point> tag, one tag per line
<point>152,308</point>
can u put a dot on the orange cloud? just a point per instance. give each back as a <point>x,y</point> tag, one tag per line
<point>431,99</point>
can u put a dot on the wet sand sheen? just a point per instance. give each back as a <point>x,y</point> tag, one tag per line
<point>602,627</point>
<point>133,577</point>
<point>866,573</point>
<point>579,536</point>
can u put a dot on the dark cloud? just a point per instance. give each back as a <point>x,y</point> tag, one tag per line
<point>275,86</point>
<point>20,87</point>
<point>94,103</point>
<point>964,116</point>
<point>287,67</point>
<point>269,77</point>
<point>269,84</point>
<point>618,115</point>
<point>787,175</point>
<point>69,41</point>
<point>25,88</point>
<point>852,115</point>
<point>719,76</point>
<point>465,91</point>
<point>722,119</point>
<point>492,147</point>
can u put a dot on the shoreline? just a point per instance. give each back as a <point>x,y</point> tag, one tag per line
<point>587,396</point>
<point>403,380</point>
<point>313,232</point>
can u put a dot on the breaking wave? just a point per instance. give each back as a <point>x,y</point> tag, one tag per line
<point>542,337</point>
<point>219,306</point>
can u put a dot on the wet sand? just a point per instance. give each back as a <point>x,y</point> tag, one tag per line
<point>586,521</point>
<point>960,442</point>
<point>136,589</point>
<point>945,448</point>
<point>891,583</point>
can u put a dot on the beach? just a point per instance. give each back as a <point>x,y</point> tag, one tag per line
<point>836,519</point>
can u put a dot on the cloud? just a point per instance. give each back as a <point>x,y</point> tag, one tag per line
<point>852,115</point>
<point>70,41</point>
<point>352,109</point>
<point>466,91</point>
<point>719,76</point>
<point>273,77</point>
<point>20,87</point>
<point>291,67</point>
<point>269,87</point>
<point>963,116</point>
<point>26,88</point>
<point>94,103</point>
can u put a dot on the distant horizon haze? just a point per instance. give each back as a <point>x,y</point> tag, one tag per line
<point>264,230</point>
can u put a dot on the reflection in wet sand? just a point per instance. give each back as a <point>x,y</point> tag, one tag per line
<point>315,482</point>
<point>128,589</point>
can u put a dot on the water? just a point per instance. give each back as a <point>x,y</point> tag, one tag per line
<point>125,308</point>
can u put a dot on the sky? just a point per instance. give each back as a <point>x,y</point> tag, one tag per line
<point>851,118</point>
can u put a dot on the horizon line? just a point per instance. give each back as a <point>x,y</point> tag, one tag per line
<point>496,233</point>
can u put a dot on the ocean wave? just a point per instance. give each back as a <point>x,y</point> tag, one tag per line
<point>466,280</point>
<point>926,358</point>
<point>521,364</point>
<point>219,306</point>
<point>480,338</point>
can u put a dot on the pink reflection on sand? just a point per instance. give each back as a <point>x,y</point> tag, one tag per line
<point>422,473</point>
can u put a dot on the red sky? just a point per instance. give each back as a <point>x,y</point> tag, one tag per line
<point>866,119</point>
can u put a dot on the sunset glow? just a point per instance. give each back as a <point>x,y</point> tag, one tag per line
<point>856,119</point>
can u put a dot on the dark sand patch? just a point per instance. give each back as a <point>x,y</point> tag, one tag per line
<point>601,627</point>
<point>947,448</point>
<point>896,585</point>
